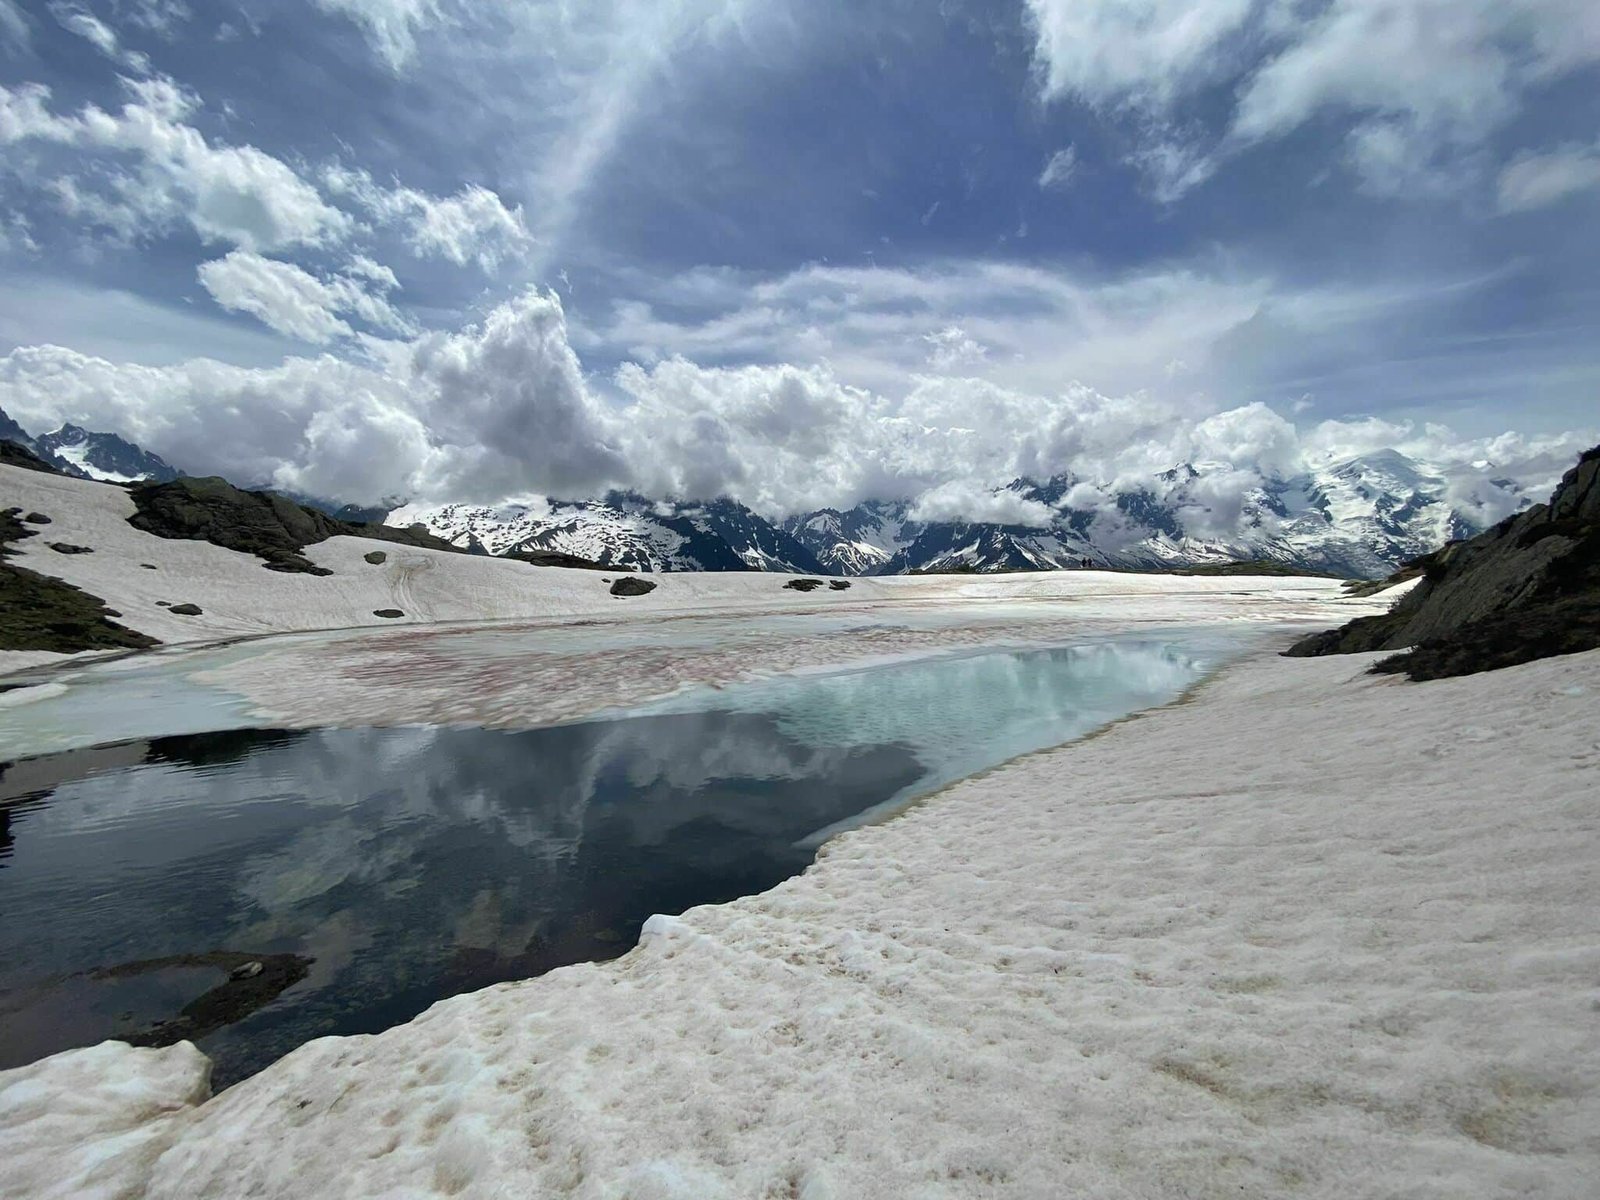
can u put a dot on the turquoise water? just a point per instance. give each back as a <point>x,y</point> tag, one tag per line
<point>414,863</point>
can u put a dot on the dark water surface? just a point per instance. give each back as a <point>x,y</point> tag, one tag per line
<point>415,863</point>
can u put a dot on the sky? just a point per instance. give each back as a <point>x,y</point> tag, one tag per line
<point>800,252</point>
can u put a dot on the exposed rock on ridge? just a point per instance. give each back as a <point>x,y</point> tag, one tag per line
<point>1526,589</point>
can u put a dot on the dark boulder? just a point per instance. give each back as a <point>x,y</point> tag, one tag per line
<point>376,557</point>
<point>390,613</point>
<point>839,585</point>
<point>185,610</point>
<point>36,518</point>
<point>69,548</point>
<point>629,585</point>
<point>803,585</point>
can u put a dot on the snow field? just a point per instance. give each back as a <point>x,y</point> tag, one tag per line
<point>1311,933</point>
<point>240,598</point>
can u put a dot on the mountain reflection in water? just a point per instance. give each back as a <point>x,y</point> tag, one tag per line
<point>415,863</point>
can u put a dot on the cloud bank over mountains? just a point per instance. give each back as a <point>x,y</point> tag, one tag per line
<point>503,408</point>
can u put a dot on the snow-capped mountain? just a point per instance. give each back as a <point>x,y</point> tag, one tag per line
<point>1357,516</point>
<point>78,451</point>
<point>105,456</point>
<point>860,541</point>
<point>622,530</point>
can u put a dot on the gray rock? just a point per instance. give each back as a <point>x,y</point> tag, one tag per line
<point>376,557</point>
<point>69,548</point>
<point>185,610</point>
<point>36,518</point>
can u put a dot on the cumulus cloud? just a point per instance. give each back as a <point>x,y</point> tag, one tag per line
<point>494,409</point>
<point>158,170</point>
<point>951,349</point>
<point>472,226</point>
<point>966,500</point>
<point>503,408</point>
<point>297,303</point>
<point>1537,180</point>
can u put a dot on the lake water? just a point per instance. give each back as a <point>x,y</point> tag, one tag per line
<point>413,863</point>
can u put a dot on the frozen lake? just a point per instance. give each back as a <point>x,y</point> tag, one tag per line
<point>411,863</point>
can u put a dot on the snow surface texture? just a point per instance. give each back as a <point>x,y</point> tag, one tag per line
<point>239,597</point>
<point>1313,933</point>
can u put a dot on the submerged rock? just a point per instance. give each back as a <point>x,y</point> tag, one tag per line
<point>376,557</point>
<point>629,585</point>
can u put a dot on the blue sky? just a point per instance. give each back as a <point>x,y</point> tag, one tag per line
<point>800,252</point>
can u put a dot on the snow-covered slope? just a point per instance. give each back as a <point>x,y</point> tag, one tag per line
<point>1348,950</point>
<point>622,530</point>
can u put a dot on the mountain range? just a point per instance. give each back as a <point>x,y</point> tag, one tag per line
<point>1355,516</point>
<point>1358,516</point>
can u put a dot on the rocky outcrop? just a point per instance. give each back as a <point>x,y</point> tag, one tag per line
<point>1526,589</point>
<point>265,524</point>
<point>39,612</point>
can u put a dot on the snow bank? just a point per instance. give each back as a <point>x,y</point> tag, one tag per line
<point>1312,933</point>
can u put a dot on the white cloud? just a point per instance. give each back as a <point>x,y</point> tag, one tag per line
<point>1172,167</point>
<point>391,26</point>
<point>504,408</point>
<point>1537,180</point>
<point>951,349</point>
<point>101,36</point>
<point>160,170</point>
<point>1059,169</point>
<point>472,226</point>
<point>495,409</point>
<point>1143,52</point>
<point>966,500</point>
<point>301,305</point>
<point>1420,84</point>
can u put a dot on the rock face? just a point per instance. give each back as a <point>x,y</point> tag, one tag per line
<point>1526,589</point>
